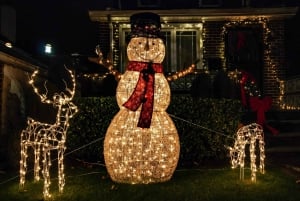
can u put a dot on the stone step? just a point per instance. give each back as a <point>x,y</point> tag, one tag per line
<point>289,139</point>
<point>291,121</point>
<point>286,135</point>
<point>283,142</point>
<point>283,158</point>
<point>282,115</point>
<point>286,125</point>
<point>283,149</point>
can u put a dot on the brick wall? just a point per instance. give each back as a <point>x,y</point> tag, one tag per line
<point>104,38</point>
<point>213,44</point>
<point>275,67</point>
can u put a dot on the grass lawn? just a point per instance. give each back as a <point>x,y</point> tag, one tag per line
<point>93,184</point>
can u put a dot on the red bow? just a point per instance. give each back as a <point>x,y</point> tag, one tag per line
<point>261,106</point>
<point>144,91</point>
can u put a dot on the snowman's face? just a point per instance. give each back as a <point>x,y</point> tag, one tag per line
<point>146,50</point>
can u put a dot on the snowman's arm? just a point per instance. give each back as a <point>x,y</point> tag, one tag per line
<point>113,71</point>
<point>183,72</point>
<point>106,63</point>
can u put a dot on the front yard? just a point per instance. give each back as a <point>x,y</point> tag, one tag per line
<point>207,184</point>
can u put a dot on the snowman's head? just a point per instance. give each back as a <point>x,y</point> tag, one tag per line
<point>145,39</point>
<point>146,50</point>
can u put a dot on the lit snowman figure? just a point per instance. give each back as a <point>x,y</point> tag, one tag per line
<point>142,144</point>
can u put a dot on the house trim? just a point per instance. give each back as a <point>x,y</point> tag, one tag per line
<point>215,22</point>
<point>13,61</point>
<point>196,15</point>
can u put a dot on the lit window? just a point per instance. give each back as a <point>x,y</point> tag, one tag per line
<point>183,46</point>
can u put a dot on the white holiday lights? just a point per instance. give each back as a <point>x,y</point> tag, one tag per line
<point>271,64</point>
<point>141,144</point>
<point>248,135</point>
<point>44,138</point>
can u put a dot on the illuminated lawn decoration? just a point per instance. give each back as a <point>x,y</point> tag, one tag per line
<point>248,135</point>
<point>44,138</point>
<point>142,144</point>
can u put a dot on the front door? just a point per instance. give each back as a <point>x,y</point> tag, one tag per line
<point>244,51</point>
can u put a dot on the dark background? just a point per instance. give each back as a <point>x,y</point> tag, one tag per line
<point>66,25</point>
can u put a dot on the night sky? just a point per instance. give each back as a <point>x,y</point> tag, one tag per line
<point>64,24</point>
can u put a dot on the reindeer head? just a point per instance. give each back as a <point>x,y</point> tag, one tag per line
<point>234,156</point>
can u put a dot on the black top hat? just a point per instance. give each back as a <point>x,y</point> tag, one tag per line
<point>145,24</point>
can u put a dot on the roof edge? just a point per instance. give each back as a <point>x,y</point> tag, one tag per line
<point>190,15</point>
<point>14,61</point>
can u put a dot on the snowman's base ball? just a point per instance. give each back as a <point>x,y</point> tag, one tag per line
<point>141,155</point>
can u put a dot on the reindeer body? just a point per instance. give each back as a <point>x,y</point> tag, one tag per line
<point>43,137</point>
<point>248,135</point>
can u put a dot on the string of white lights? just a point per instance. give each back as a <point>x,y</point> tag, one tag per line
<point>44,137</point>
<point>66,154</point>
<point>107,63</point>
<point>199,126</point>
<point>269,61</point>
<point>101,138</point>
<point>248,135</point>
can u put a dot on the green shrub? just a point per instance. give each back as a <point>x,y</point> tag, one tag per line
<point>88,125</point>
<point>208,125</point>
<point>204,127</point>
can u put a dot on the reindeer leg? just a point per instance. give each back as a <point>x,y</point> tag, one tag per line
<point>241,173</point>
<point>61,176</point>
<point>262,155</point>
<point>46,168</point>
<point>253,160</point>
<point>242,163</point>
<point>37,153</point>
<point>23,163</point>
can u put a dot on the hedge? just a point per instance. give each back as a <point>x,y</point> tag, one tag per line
<point>204,126</point>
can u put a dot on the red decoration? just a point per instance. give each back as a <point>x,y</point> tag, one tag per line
<point>144,90</point>
<point>241,40</point>
<point>251,98</point>
<point>246,77</point>
<point>260,106</point>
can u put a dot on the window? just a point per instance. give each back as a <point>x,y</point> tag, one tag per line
<point>183,46</point>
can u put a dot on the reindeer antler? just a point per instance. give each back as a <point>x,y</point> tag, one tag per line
<point>72,92</point>
<point>43,97</point>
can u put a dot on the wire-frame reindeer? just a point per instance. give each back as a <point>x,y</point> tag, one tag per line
<point>248,135</point>
<point>44,137</point>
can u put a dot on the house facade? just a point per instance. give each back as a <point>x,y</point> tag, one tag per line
<point>14,69</point>
<point>230,40</point>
